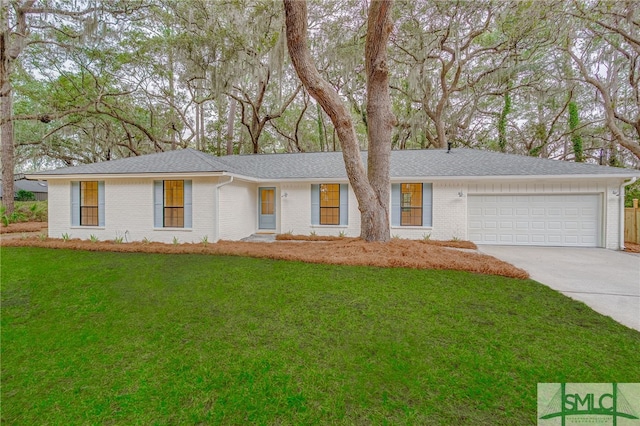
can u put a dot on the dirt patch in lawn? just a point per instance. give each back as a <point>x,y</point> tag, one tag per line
<point>396,253</point>
<point>17,228</point>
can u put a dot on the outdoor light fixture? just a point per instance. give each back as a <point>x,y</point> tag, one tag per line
<point>285,195</point>
<point>460,194</point>
<point>615,193</point>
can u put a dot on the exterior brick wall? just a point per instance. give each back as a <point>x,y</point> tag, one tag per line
<point>238,209</point>
<point>129,209</point>
<point>296,212</point>
<point>129,212</point>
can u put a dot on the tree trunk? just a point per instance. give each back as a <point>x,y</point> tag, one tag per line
<point>380,119</point>
<point>6,130</point>
<point>7,154</point>
<point>230,120</point>
<point>372,202</point>
<point>441,133</point>
<point>172,98</point>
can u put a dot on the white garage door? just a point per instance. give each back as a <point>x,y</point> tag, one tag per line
<point>542,220</point>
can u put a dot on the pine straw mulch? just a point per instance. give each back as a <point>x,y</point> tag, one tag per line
<point>17,228</point>
<point>395,254</point>
<point>450,243</point>
<point>631,247</point>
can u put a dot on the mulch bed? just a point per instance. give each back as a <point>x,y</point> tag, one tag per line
<point>631,247</point>
<point>450,243</point>
<point>342,251</point>
<point>17,228</point>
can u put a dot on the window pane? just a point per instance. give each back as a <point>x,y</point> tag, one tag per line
<point>174,193</point>
<point>267,199</point>
<point>174,217</point>
<point>89,203</point>
<point>330,204</point>
<point>330,195</point>
<point>174,203</point>
<point>411,204</point>
<point>88,216</point>
<point>89,194</point>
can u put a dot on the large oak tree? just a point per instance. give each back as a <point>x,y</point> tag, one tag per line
<point>371,187</point>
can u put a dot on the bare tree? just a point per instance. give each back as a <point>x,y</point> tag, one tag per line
<point>372,188</point>
<point>617,26</point>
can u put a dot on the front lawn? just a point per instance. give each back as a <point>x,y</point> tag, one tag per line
<point>131,338</point>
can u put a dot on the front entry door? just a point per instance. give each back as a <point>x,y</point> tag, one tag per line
<point>267,208</point>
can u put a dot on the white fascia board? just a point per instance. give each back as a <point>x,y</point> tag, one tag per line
<point>103,176</point>
<point>510,178</point>
<point>453,178</point>
<point>87,176</point>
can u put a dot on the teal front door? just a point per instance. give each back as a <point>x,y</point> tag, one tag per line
<point>267,208</point>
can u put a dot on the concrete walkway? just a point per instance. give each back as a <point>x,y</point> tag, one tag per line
<point>606,280</point>
<point>260,238</point>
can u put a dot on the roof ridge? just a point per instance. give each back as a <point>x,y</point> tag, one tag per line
<point>210,159</point>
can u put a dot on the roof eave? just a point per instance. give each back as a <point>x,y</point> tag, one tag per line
<point>450,178</point>
<point>102,176</point>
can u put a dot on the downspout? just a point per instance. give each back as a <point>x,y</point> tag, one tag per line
<point>621,194</point>
<point>218,186</point>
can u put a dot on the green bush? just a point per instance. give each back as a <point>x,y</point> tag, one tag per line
<point>25,211</point>
<point>23,195</point>
<point>631,192</point>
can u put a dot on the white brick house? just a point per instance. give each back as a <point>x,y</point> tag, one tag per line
<point>482,196</point>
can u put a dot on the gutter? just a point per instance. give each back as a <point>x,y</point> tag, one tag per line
<point>217,197</point>
<point>621,193</point>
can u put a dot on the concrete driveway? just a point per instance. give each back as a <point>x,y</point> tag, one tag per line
<point>608,281</point>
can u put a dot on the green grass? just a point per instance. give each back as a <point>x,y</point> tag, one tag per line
<point>112,338</point>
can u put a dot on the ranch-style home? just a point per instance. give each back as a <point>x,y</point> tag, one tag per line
<point>482,196</point>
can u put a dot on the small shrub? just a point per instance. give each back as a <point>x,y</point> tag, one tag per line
<point>146,241</point>
<point>38,212</point>
<point>395,237</point>
<point>175,241</point>
<point>93,238</point>
<point>341,234</point>
<point>42,237</point>
<point>205,240</point>
<point>66,237</point>
<point>23,236</point>
<point>426,237</point>
<point>456,239</point>
<point>313,233</point>
<point>17,216</point>
<point>118,239</point>
<point>23,195</point>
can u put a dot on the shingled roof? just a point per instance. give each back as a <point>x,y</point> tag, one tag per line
<point>179,161</point>
<point>432,163</point>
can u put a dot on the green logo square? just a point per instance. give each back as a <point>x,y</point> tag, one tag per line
<point>563,404</point>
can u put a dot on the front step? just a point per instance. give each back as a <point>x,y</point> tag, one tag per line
<point>260,238</point>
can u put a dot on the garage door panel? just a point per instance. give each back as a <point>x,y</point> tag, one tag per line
<point>538,239</point>
<point>549,219</point>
